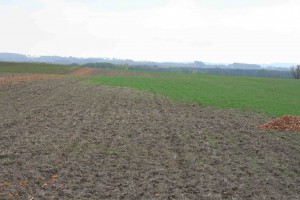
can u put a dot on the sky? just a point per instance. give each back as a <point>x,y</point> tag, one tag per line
<point>222,31</point>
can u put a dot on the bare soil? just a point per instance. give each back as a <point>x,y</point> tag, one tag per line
<point>105,72</point>
<point>61,139</point>
<point>83,72</point>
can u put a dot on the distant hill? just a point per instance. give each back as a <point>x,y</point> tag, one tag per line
<point>13,57</point>
<point>244,66</point>
<point>278,65</point>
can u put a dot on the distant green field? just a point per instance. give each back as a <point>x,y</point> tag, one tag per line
<point>275,97</point>
<point>40,68</point>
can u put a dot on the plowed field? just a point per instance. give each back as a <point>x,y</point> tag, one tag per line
<point>62,139</point>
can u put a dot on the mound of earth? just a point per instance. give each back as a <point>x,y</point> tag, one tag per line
<point>284,123</point>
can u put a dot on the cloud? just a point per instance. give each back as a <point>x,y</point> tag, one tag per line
<point>18,31</point>
<point>170,30</point>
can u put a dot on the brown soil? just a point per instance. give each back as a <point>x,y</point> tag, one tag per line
<point>5,79</point>
<point>62,139</point>
<point>284,123</point>
<point>109,72</point>
<point>83,72</point>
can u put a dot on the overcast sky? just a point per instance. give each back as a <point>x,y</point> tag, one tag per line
<point>252,31</point>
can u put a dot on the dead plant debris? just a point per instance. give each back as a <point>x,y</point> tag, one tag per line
<point>284,123</point>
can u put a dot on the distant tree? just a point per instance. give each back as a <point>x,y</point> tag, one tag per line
<point>296,71</point>
<point>199,64</point>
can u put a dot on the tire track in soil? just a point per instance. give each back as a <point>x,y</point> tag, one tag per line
<point>97,114</point>
<point>178,148</point>
<point>174,139</point>
<point>176,145</point>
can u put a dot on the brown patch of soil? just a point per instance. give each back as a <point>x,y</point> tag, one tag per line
<point>109,72</point>
<point>62,139</point>
<point>83,72</point>
<point>284,123</point>
<point>5,79</point>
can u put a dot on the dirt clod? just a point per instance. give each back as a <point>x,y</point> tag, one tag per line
<point>284,123</point>
<point>24,182</point>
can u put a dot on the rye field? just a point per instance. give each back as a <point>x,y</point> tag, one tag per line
<point>272,96</point>
<point>39,68</point>
<point>85,133</point>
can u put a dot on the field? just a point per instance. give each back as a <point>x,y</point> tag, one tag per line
<point>65,139</point>
<point>40,68</point>
<point>275,97</point>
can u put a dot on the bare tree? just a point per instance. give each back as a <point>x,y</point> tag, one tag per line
<point>296,71</point>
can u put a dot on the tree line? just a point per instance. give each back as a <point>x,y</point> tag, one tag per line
<point>295,70</point>
<point>294,73</point>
